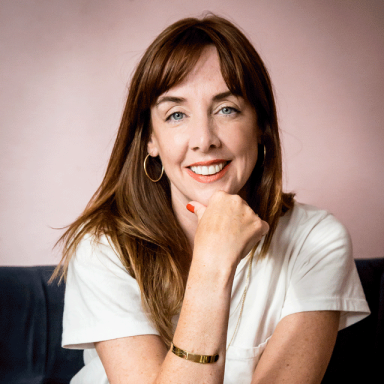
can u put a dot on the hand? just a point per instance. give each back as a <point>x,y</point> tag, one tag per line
<point>227,229</point>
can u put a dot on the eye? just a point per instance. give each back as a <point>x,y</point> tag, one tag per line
<point>228,110</point>
<point>176,116</point>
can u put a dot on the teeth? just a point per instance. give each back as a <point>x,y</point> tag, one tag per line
<point>210,170</point>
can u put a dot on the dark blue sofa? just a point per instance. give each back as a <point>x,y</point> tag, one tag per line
<point>31,326</point>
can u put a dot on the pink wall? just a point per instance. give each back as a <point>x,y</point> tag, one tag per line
<point>65,65</point>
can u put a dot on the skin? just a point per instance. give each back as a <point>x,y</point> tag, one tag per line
<point>190,124</point>
<point>200,128</point>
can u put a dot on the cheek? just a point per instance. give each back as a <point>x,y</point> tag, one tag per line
<point>173,148</point>
<point>179,141</point>
<point>244,143</point>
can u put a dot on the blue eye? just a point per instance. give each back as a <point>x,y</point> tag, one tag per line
<point>228,110</point>
<point>176,116</point>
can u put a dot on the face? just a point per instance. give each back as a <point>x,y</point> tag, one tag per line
<point>205,136</point>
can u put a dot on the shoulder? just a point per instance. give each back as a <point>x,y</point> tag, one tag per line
<point>319,266</point>
<point>96,253</point>
<point>308,237</point>
<point>308,216</point>
<point>307,224</point>
<point>96,267</point>
<point>102,300</point>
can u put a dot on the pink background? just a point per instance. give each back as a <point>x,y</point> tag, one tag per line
<point>64,71</point>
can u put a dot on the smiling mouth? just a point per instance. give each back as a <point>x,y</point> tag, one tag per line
<point>208,170</point>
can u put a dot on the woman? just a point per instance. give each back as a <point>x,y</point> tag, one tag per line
<point>190,265</point>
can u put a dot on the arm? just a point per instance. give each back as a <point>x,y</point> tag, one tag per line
<point>300,349</point>
<point>201,329</point>
<point>319,288</point>
<point>227,231</point>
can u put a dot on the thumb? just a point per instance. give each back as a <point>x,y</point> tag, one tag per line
<point>196,208</point>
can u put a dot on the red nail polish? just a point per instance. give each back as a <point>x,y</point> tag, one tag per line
<point>191,208</point>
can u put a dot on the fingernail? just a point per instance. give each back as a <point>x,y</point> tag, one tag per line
<point>191,208</point>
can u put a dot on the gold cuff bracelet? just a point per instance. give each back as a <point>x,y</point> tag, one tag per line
<point>202,359</point>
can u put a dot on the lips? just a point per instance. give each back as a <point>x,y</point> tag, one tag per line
<point>207,169</point>
<point>207,172</point>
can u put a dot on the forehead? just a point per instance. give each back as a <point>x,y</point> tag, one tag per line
<point>205,76</point>
<point>208,63</point>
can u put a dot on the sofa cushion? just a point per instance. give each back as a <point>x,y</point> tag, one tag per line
<point>358,353</point>
<point>31,327</point>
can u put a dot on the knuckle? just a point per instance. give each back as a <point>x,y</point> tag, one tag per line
<point>265,227</point>
<point>236,200</point>
<point>257,225</point>
<point>261,226</point>
<point>217,195</point>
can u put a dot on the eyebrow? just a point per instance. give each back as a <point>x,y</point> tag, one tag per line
<point>180,100</point>
<point>171,99</point>
<point>222,95</point>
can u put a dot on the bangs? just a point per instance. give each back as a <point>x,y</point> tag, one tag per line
<point>178,56</point>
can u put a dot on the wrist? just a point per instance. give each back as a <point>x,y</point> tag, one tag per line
<point>207,273</point>
<point>196,358</point>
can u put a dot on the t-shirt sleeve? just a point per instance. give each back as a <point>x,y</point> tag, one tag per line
<point>102,300</point>
<point>323,275</point>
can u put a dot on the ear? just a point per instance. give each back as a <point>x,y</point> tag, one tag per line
<point>152,146</point>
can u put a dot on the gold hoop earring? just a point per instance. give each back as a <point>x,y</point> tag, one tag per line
<point>264,155</point>
<point>145,170</point>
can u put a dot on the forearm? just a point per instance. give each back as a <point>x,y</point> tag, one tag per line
<point>202,327</point>
<point>227,231</point>
<point>300,349</point>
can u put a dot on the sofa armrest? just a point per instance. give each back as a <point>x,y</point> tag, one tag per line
<point>31,328</point>
<point>359,349</point>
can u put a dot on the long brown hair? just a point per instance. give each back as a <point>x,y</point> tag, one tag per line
<point>136,214</point>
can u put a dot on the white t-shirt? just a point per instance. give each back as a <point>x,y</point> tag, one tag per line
<point>309,267</point>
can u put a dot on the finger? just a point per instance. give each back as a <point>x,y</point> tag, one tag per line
<point>196,208</point>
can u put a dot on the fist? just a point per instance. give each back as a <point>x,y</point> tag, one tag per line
<point>227,228</point>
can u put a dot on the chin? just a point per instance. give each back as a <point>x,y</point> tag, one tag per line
<point>203,198</point>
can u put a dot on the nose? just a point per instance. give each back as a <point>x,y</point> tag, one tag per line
<point>203,134</point>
